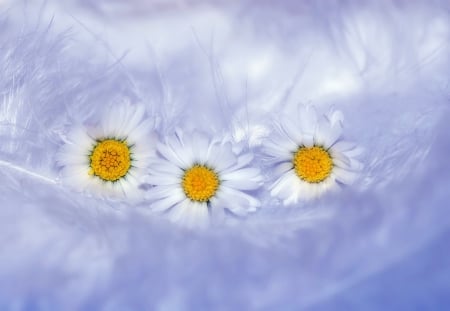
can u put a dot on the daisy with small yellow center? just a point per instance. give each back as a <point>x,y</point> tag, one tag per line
<point>309,157</point>
<point>109,159</point>
<point>196,179</point>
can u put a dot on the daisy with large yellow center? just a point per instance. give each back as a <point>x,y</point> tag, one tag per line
<point>312,164</point>
<point>200,183</point>
<point>195,181</point>
<point>309,158</point>
<point>110,158</point>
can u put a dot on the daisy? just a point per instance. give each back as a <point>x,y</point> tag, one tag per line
<point>309,156</point>
<point>195,178</point>
<point>109,159</point>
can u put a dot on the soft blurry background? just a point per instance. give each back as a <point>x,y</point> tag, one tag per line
<point>224,66</point>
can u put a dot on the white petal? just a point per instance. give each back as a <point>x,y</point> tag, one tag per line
<point>333,136</point>
<point>129,188</point>
<point>344,176</point>
<point>307,191</point>
<point>116,189</point>
<point>160,180</point>
<point>168,153</point>
<point>133,120</point>
<point>236,201</point>
<point>340,160</point>
<point>165,167</point>
<point>307,119</point>
<point>243,160</point>
<point>330,184</point>
<point>167,202</point>
<point>220,203</point>
<point>80,138</point>
<point>240,184</point>
<point>199,216</point>
<point>70,156</point>
<point>130,184</point>
<point>324,134</point>
<point>189,214</point>
<point>76,175</point>
<point>123,119</point>
<point>293,132</point>
<point>160,192</point>
<point>356,165</point>
<point>109,124</point>
<point>352,153</point>
<point>95,133</point>
<point>336,118</point>
<point>243,179</point>
<point>342,146</point>
<point>177,212</point>
<point>282,168</point>
<point>243,173</point>
<point>308,140</point>
<point>141,134</point>
<point>299,191</point>
<point>217,212</point>
<point>143,150</point>
<point>221,158</point>
<point>141,163</point>
<point>199,144</point>
<point>279,150</point>
<point>283,186</point>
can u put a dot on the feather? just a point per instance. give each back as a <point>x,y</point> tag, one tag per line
<point>384,64</point>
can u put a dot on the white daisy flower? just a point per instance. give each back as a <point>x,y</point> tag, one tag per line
<point>309,156</point>
<point>195,179</point>
<point>111,158</point>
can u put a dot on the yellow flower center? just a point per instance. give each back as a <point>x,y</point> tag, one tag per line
<point>312,164</point>
<point>110,159</point>
<point>200,183</point>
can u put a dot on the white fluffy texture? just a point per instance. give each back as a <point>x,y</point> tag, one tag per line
<point>383,63</point>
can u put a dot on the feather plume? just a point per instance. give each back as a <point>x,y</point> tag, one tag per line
<point>227,68</point>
